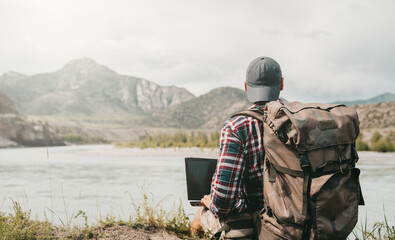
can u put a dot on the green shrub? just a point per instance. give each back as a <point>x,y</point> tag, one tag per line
<point>376,137</point>
<point>361,145</point>
<point>73,138</point>
<point>378,143</point>
<point>381,144</point>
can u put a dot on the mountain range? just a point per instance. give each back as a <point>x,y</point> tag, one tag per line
<point>385,97</point>
<point>86,87</point>
<point>108,100</point>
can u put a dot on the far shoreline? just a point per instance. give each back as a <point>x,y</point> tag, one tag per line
<point>155,152</point>
<point>112,149</point>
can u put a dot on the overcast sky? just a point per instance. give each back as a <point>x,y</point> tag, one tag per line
<point>328,50</point>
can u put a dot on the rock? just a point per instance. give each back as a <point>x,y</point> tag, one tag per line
<point>18,129</point>
<point>6,143</point>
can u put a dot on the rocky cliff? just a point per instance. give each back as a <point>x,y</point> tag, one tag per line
<point>17,130</point>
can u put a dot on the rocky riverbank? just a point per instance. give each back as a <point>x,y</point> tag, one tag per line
<point>17,130</point>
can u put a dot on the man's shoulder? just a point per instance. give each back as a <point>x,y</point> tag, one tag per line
<point>236,121</point>
<point>241,121</point>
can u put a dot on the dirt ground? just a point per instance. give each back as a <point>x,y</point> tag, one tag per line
<point>125,233</point>
<point>118,232</point>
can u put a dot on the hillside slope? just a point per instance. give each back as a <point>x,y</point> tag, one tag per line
<point>83,86</point>
<point>376,116</point>
<point>208,111</point>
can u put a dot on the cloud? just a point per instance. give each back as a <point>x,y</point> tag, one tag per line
<point>315,35</point>
<point>271,32</point>
<point>328,50</point>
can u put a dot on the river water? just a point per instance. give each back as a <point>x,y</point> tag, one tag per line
<point>101,182</point>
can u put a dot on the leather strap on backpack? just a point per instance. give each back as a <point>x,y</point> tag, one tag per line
<point>242,225</point>
<point>305,165</point>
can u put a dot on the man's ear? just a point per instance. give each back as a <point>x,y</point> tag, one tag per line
<point>282,84</point>
<point>245,86</point>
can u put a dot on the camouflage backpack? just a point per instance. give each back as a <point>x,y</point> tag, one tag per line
<point>311,186</point>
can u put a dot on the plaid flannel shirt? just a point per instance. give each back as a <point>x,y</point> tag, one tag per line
<point>237,184</point>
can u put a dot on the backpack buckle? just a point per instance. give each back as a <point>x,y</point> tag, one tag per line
<point>304,162</point>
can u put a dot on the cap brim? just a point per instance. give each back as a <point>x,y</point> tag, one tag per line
<point>263,93</point>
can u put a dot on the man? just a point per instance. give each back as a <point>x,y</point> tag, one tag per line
<point>237,184</point>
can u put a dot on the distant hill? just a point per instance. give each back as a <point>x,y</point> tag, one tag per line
<point>385,97</point>
<point>376,115</point>
<point>84,86</point>
<point>208,111</point>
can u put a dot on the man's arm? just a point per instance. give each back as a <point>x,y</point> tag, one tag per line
<point>226,181</point>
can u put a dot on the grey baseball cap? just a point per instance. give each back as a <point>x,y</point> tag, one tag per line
<point>263,80</point>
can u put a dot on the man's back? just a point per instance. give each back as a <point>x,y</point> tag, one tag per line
<point>238,181</point>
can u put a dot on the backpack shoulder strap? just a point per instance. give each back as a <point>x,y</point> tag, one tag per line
<point>254,113</point>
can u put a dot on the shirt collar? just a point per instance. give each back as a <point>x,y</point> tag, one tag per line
<point>255,106</point>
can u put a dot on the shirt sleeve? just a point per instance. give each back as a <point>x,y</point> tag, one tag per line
<point>226,181</point>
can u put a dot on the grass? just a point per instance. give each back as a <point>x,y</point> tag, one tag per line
<point>150,214</point>
<point>20,226</point>
<point>149,217</point>
<point>179,139</point>
<point>379,230</point>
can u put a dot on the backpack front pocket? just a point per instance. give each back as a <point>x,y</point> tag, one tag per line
<point>334,204</point>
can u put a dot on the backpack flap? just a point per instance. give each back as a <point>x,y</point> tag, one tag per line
<point>311,126</point>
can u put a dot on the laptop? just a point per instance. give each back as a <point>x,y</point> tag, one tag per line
<point>199,173</point>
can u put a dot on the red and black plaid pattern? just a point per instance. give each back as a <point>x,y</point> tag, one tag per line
<point>237,183</point>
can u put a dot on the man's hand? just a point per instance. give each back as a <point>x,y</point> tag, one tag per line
<point>206,200</point>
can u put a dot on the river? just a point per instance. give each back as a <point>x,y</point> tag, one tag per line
<point>101,180</point>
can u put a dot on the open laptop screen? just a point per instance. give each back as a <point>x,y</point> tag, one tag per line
<point>199,173</point>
